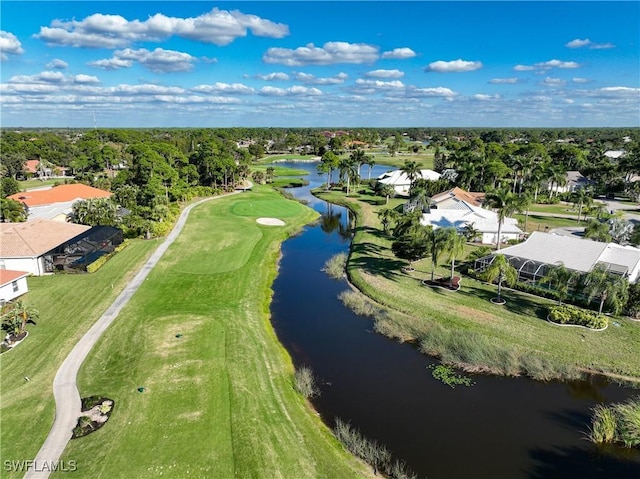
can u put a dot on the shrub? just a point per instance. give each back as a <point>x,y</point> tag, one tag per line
<point>335,266</point>
<point>97,264</point>
<point>617,423</point>
<point>305,382</point>
<point>567,314</point>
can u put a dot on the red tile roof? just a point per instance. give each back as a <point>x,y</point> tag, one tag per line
<point>31,166</point>
<point>59,194</point>
<point>471,197</point>
<point>8,275</point>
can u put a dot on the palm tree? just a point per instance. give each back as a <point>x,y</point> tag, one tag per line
<point>506,203</point>
<point>560,277</point>
<point>500,269</point>
<point>385,190</point>
<point>438,239</point>
<point>387,216</point>
<point>328,163</point>
<point>581,198</point>
<point>412,170</point>
<point>597,231</point>
<point>16,317</point>
<point>370,162</point>
<point>557,177</point>
<point>470,232</point>
<point>598,283</point>
<point>348,171</point>
<point>358,157</point>
<point>455,245</point>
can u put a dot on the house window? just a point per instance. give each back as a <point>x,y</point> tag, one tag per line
<point>14,285</point>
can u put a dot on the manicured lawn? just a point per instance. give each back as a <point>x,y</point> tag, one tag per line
<point>545,223</point>
<point>563,209</point>
<point>219,400</point>
<point>517,331</point>
<point>280,170</point>
<point>28,184</point>
<point>68,304</point>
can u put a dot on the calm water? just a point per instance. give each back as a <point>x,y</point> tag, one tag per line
<point>499,428</point>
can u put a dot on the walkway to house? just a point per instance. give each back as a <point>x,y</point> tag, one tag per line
<point>65,390</point>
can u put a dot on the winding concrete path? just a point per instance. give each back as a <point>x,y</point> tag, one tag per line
<point>65,391</point>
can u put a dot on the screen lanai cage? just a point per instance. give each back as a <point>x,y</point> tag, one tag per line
<point>75,254</point>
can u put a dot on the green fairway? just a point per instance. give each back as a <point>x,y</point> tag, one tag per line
<point>279,170</point>
<point>219,400</point>
<point>68,304</point>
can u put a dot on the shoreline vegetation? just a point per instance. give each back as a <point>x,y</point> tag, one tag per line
<point>464,329</point>
<point>189,362</point>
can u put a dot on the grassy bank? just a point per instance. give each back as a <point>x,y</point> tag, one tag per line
<point>465,327</point>
<point>68,304</point>
<point>219,397</point>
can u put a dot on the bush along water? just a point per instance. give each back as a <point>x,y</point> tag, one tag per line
<point>617,423</point>
<point>372,452</point>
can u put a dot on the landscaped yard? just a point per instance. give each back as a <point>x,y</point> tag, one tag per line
<point>465,327</point>
<point>68,304</point>
<point>29,184</point>
<point>218,398</point>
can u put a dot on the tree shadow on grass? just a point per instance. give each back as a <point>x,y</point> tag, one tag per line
<point>389,268</point>
<point>375,232</point>
<point>514,303</point>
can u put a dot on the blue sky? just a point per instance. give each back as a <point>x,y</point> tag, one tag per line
<point>320,64</point>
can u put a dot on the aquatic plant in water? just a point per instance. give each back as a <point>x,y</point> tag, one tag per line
<point>447,375</point>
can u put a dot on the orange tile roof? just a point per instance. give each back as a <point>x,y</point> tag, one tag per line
<point>34,238</point>
<point>59,194</point>
<point>471,197</point>
<point>31,166</point>
<point>8,275</point>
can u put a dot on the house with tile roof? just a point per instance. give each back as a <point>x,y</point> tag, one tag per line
<point>56,203</point>
<point>574,181</point>
<point>532,257</point>
<point>450,198</point>
<point>27,246</point>
<point>13,284</point>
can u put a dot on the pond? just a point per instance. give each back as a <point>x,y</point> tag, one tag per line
<point>498,428</point>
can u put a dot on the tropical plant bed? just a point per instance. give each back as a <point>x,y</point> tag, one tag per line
<point>96,411</point>
<point>444,283</point>
<point>567,315</point>
<point>12,340</point>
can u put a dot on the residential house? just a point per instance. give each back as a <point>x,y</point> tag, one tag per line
<point>25,246</point>
<point>13,284</point>
<point>37,169</point>
<point>614,154</point>
<point>574,180</point>
<point>56,203</point>
<point>533,257</point>
<point>484,221</point>
<point>400,181</point>
<point>450,198</point>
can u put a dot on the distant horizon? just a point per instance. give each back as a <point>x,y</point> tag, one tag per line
<point>361,64</point>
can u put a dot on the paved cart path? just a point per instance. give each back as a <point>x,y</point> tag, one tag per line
<point>65,390</point>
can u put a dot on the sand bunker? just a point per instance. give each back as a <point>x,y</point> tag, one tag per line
<point>270,221</point>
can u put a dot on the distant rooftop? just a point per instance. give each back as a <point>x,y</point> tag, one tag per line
<point>59,194</point>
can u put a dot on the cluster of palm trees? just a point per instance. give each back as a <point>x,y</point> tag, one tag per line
<point>414,241</point>
<point>349,168</point>
<point>15,317</point>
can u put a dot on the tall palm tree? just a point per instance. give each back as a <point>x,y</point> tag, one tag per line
<point>412,170</point>
<point>387,217</point>
<point>505,202</point>
<point>348,171</point>
<point>455,246</point>
<point>581,198</point>
<point>370,162</point>
<point>500,269</point>
<point>560,277</point>
<point>358,157</point>
<point>614,291</point>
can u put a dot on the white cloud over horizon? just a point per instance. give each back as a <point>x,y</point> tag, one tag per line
<point>157,61</point>
<point>330,53</point>
<point>578,43</point>
<point>9,45</point>
<point>455,66</point>
<point>399,53</point>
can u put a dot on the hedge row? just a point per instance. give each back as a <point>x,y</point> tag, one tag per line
<point>567,314</point>
<point>97,264</point>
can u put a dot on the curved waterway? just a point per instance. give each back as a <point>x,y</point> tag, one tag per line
<point>499,428</point>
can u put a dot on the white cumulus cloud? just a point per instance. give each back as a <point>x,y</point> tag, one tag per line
<point>310,79</point>
<point>379,84</point>
<point>9,45</point>
<point>329,53</point>
<point>158,60</point>
<point>57,64</point>
<point>224,88</point>
<point>399,53</point>
<point>504,81</point>
<point>553,82</point>
<point>578,43</point>
<point>453,66</point>
<point>219,27</point>
<point>273,76</point>
<point>430,92</point>
<point>384,74</point>
<point>292,91</point>
<point>484,97</point>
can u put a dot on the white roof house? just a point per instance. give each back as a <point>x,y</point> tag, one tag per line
<point>614,154</point>
<point>574,181</point>
<point>574,253</point>
<point>485,221</point>
<point>400,181</point>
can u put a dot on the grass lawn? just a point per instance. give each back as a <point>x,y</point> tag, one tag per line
<point>280,170</point>
<point>68,304</point>
<point>28,184</point>
<point>545,223</point>
<point>219,401</point>
<point>468,321</point>
<point>561,208</point>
